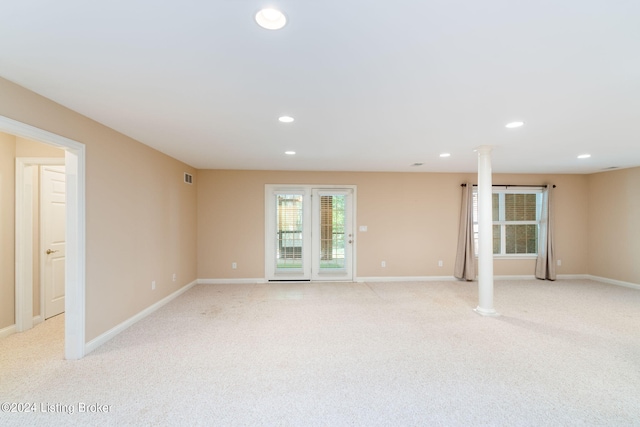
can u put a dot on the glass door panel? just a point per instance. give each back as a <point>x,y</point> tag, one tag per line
<point>289,231</point>
<point>332,235</point>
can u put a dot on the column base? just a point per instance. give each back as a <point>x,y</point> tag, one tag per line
<point>484,312</point>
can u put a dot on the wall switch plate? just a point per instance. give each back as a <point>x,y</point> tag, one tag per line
<point>362,228</point>
<point>383,263</point>
<point>440,263</point>
<point>153,285</point>
<point>559,262</point>
<point>174,277</point>
<point>234,265</point>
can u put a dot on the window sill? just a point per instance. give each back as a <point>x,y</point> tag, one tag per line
<point>521,257</point>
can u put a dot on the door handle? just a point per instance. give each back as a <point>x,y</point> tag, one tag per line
<point>49,251</point>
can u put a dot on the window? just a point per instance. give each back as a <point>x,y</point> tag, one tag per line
<point>516,221</point>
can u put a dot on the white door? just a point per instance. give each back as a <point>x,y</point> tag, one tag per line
<point>332,234</point>
<point>52,231</point>
<point>309,233</point>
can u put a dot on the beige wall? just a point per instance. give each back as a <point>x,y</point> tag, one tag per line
<point>141,217</point>
<point>412,221</point>
<point>13,147</point>
<point>614,225</point>
<point>144,223</point>
<point>7,229</point>
<point>28,148</point>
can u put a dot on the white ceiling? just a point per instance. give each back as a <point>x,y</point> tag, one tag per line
<point>373,85</point>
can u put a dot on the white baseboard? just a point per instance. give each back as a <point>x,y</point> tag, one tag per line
<point>394,279</point>
<point>433,279</point>
<point>229,281</point>
<point>451,278</point>
<point>533,277</point>
<point>581,277</point>
<point>439,278</point>
<point>9,330</point>
<point>100,340</point>
<point>515,277</point>
<point>359,280</point>
<point>407,279</point>
<point>613,282</point>
<point>573,277</point>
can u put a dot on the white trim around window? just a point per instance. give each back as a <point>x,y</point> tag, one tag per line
<point>504,223</point>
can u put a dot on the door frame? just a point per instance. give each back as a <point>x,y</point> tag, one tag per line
<point>24,240</point>
<point>75,166</point>
<point>269,252</point>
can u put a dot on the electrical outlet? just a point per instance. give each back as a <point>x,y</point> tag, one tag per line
<point>234,265</point>
<point>174,277</point>
<point>440,263</point>
<point>383,263</point>
<point>153,285</point>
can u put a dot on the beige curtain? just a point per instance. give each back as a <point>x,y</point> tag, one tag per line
<point>546,262</point>
<point>465,267</point>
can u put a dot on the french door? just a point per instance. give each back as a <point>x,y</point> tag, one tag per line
<point>309,233</point>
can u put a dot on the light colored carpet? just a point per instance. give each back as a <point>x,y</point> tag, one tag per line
<point>359,354</point>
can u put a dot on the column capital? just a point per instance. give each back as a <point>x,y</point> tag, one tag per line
<point>484,149</point>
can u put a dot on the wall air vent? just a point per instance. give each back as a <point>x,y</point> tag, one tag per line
<point>188,178</point>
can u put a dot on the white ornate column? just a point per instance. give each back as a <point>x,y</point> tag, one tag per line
<point>485,233</point>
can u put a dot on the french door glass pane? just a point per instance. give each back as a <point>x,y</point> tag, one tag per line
<point>332,232</point>
<point>289,231</point>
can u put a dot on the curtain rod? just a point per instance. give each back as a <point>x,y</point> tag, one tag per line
<point>511,185</point>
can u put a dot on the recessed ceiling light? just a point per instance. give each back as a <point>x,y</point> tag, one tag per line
<point>289,153</point>
<point>286,119</point>
<point>271,19</point>
<point>584,156</point>
<point>513,125</point>
<point>445,155</point>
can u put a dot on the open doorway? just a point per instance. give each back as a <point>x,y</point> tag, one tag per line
<point>40,204</point>
<point>74,278</point>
